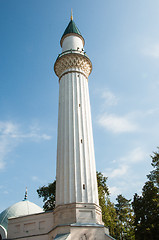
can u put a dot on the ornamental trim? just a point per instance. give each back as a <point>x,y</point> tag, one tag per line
<point>72,60</point>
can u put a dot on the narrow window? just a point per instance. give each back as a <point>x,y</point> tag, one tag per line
<point>79,105</point>
<point>81,140</point>
<point>84,187</point>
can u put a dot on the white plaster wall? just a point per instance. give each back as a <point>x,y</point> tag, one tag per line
<point>36,225</point>
<point>72,42</point>
<point>75,148</point>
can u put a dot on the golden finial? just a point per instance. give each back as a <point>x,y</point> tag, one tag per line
<point>71,15</point>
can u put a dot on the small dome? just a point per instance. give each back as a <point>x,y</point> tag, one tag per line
<point>18,209</point>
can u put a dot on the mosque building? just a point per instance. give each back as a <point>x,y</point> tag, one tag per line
<point>77,215</point>
<point>22,208</point>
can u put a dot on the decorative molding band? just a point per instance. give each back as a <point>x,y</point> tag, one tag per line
<point>73,71</point>
<point>72,60</point>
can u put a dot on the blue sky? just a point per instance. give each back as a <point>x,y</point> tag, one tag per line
<point>122,41</point>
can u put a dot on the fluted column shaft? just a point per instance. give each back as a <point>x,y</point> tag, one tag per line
<point>76,172</point>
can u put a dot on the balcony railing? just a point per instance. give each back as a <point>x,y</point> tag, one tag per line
<point>72,51</point>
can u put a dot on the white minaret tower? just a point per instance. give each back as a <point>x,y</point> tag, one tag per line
<point>76,183</point>
<point>76,171</point>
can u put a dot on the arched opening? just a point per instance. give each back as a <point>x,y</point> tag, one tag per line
<point>3,233</point>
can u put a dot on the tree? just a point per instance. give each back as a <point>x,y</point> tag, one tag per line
<point>48,194</point>
<point>102,189</point>
<point>146,206</point>
<point>125,218</point>
<point>146,210</point>
<point>154,174</point>
<point>109,216</point>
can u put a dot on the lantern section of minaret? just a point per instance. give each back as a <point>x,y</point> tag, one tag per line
<point>76,172</point>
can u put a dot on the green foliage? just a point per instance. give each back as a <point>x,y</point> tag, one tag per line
<point>110,217</point>
<point>108,211</point>
<point>48,194</point>
<point>102,189</point>
<point>124,211</point>
<point>154,174</point>
<point>146,210</point>
<point>146,206</point>
<point>118,218</point>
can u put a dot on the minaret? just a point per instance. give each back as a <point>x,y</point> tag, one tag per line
<point>76,171</point>
<point>76,183</point>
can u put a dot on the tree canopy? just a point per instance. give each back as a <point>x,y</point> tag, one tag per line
<point>154,174</point>
<point>48,194</point>
<point>125,218</point>
<point>146,206</point>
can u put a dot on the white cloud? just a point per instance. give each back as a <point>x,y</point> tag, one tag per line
<point>3,190</point>
<point>8,128</point>
<point>136,155</point>
<point>123,175</point>
<point>116,124</point>
<point>152,51</point>
<point>125,163</point>
<point>6,143</point>
<point>33,136</point>
<point>109,98</point>
<point>10,136</point>
<point>6,192</point>
<point>118,172</point>
<point>152,111</point>
<point>114,191</point>
<point>35,178</point>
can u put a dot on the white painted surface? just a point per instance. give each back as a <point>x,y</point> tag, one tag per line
<point>72,42</point>
<point>35,226</point>
<point>75,148</point>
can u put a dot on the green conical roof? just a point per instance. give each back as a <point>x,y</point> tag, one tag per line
<point>71,28</point>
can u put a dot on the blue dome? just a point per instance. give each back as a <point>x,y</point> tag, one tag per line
<point>18,209</point>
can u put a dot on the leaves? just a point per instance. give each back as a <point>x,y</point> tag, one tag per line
<point>146,210</point>
<point>108,211</point>
<point>125,218</point>
<point>154,174</point>
<point>48,194</point>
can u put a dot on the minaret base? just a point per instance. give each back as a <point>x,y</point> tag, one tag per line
<point>79,231</point>
<point>79,221</point>
<point>77,213</point>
